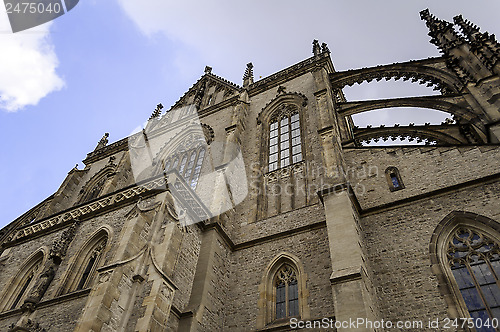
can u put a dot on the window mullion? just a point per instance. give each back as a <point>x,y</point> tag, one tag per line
<point>479,291</point>
<point>287,312</point>
<point>290,145</point>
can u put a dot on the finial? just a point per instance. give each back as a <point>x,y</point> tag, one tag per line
<point>316,48</point>
<point>441,32</point>
<point>470,30</point>
<point>281,89</point>
<point>103,142</point>
<point>208,70</point>
<point>324,48</point>
<point>156,112</point>
<point>248,76</point>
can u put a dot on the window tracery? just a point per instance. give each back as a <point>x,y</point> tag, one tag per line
<point>84,267</point>
<point>474,259</point>
<point>25,283</point>
<point>91,264</point>
<point>93,189</point>
<point>285,143</point>
<point>287,293</point>
<point>22,283</point>
<point>190,165</point>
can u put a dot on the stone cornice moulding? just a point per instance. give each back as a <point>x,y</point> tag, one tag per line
<point>109,150</point>
<point>82,211</point>
<point>291,72</point>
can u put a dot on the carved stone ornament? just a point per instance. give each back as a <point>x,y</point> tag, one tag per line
<point>40,287</point>
<point>90,208</point>
<point>104,277</point>
<point>60,246</point>
<point>286,110</point>
<point>103,142</point>
<point>27,325</point>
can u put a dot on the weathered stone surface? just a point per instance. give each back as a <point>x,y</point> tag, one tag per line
<point>359,245</point>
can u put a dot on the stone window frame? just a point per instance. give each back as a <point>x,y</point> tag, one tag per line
<point>95,186</point>
<point>196,137</point>
<point>267,290</point>
<point>176,162</point>
<point>275,109</point>
<point>99,242</point>
<point>438,248</point>
<point>32,266</point>
<point>389,172</point>
<point>284,112</point>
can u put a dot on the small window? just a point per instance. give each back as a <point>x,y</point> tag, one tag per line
<point>394,179</point>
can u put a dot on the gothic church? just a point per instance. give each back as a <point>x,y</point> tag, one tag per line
<point>246,208</point>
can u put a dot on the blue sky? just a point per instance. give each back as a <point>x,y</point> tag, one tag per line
<point>105,65</point>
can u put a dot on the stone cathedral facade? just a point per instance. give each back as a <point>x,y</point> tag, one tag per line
<point>244,208</point>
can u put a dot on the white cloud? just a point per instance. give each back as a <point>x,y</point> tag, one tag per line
<point>27,66</point>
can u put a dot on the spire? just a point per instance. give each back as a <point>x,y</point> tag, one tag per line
<point>471,31</point>
<point>483,44</point>
<point>248,76</point>
<point>442,33</point>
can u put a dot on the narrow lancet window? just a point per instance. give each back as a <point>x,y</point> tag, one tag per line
<point>287,293</point>
<point>394,179</point>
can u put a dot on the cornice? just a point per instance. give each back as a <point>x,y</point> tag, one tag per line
<point>291,72</point>
<point>109,150</point>
<point>83,211</point>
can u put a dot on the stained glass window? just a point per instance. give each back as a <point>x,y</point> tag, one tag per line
<point>394,179</point>
<point>475,264</point>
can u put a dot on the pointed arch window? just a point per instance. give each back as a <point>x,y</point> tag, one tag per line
<point>90,264</point>
<point>287,292</point>
<point>190,165</point>
<point>474,259</point>
<point>84,267</point>
<point>22,283</point>
<point>93,189</point>
<point>26,282</point>
<point>285,143</point>
<point>283,292</point>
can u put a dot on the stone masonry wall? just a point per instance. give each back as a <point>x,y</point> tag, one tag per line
<point>422,169</point>
<point>248,266</point>
<point>397,245</point>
